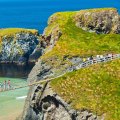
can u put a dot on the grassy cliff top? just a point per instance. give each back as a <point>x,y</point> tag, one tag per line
<point>77,42</point>
<point>99,10</point>
<point>96,88</point>
<point>12,31</point>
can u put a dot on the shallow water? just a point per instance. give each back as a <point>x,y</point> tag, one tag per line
<point>10,106</point>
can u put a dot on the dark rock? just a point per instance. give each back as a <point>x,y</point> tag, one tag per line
<point>20,48</point>
<point>53,37</point>
<point>47,105</point>
<point>38,51</point>
<point>99,20</point>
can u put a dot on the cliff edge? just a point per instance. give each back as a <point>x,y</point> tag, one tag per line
<point>90,93</point>
<point>19,45</point>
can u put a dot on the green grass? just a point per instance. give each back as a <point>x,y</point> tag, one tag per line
<point>96,88</point>
<point>11,31</point>
<point>98,10</point>
<point>76,42</point>
<point>10,108</point>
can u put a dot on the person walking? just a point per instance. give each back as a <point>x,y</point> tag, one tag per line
<point>9,84</point>
<point>0,86</point>
<point>5,85</point>
<point>84,59</point>
<point>91,57</point>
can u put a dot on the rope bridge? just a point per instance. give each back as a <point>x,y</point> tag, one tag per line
<point>35,83</point>
<point>95,60</point>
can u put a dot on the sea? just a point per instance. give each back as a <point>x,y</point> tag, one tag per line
<point>34,14</point>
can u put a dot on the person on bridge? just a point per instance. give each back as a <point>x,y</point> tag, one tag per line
<point>9,84</point>
<point>0,86</point>
<point>5,85</point>
<point>84,59</point>
<point>91,57</point>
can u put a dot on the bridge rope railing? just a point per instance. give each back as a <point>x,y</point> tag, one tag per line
<point>99,59</point>
<point>84,64</point>
<point>32,84</point>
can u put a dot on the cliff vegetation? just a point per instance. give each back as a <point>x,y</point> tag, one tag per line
<point>77,42</point>
<point>92,92</point>
<point>96,88</point>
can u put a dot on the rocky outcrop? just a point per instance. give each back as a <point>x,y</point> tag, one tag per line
<point>53,36</point>
<point>47,105</point>
<point>104,20</point>
<point>43,103</point>
<point>20,48</point>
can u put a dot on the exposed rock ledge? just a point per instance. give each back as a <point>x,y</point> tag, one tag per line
<point>104,20</point>
<point>24,45</point>
<point>19,45</point>
<point>47,105</point>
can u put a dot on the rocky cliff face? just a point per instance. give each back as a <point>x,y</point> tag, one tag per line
<point>104,20</point>
<point>20,47</point>
<point>43,103</point>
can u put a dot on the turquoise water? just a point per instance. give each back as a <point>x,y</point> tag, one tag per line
<point>34,13</point>
<point>10,106</point>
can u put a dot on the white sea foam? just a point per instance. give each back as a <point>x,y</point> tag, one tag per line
<point>21,98</point>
